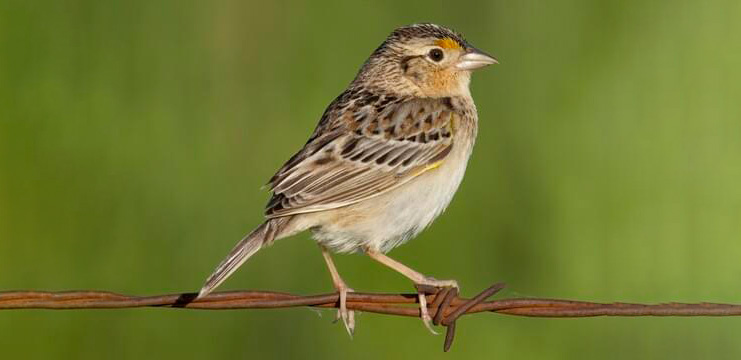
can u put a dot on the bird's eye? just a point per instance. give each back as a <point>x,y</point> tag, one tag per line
<point>435,54</point>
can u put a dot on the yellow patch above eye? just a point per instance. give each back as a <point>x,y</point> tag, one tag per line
<point>447,43</point>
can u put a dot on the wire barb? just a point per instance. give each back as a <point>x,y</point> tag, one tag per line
<point>444,303</point>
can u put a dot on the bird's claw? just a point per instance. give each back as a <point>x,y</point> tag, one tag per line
<point>347,316</point>
<point>430,286</point>
<point>424,313</point>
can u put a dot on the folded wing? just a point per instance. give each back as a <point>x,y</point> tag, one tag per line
<point>364,146</point>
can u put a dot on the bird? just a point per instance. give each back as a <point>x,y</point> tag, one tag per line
<point>384,161</point>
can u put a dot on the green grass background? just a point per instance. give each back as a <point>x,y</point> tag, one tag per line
<point>135,137</point>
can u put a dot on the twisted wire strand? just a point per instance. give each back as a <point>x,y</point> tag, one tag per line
<point>445,305</point>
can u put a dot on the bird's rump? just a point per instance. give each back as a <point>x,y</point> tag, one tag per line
<point>365,145</point>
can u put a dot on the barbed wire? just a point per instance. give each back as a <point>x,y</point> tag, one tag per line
<point>445,306</point>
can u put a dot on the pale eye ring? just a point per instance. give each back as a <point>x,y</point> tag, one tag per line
<point>436,54</point>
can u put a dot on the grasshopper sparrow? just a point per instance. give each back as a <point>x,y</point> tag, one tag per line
<point>384,161</point>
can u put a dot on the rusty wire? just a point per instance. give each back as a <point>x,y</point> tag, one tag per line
<point>445,305</point>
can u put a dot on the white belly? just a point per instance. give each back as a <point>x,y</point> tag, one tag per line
<point>388,220</point>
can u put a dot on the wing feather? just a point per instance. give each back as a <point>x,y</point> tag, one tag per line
<point>360,150</point>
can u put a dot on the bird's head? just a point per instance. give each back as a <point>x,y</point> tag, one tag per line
<point>423,60</point>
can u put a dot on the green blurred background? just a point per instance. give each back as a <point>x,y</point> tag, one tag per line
<point>135,137</point>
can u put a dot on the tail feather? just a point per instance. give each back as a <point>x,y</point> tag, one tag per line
<point>248,246</point>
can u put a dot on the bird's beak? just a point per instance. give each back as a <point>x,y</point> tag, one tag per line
<point>475,59</point>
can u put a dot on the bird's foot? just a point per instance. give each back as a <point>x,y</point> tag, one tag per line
<point>430,285</point>
<point>347,316</point>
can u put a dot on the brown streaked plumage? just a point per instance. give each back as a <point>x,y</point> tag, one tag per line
<point>384,161</point>
<point>369,148</point>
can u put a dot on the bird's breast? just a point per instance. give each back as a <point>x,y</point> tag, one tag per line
<point>390,219</point>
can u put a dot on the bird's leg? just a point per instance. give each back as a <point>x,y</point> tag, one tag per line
<point>348,317</point>
<point>418,279</point>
